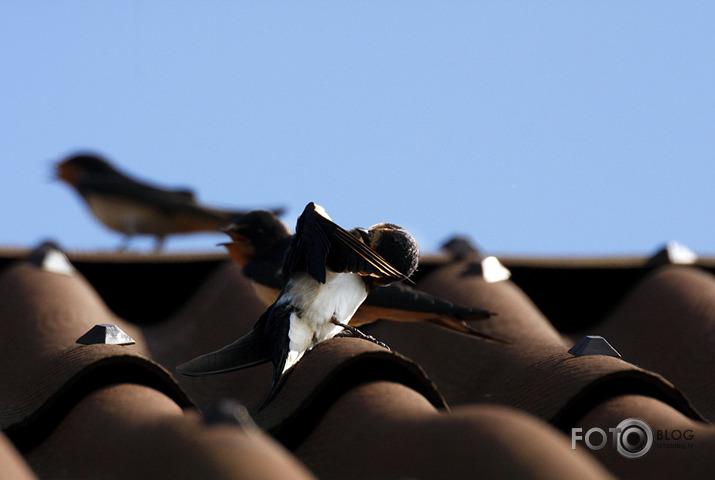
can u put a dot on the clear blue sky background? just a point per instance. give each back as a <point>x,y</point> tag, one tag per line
<point>533,127</point>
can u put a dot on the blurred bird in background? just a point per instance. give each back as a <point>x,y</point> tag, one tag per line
<point>132,207</point>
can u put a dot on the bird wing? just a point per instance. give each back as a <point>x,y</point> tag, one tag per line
<point>122,187</point>
<point>267,271</point>
<point>119,185</point>
<point>248,351</point>
<point>401,303</point>
<point>319,243</point>
<point>277,328</point>
<point>403,297</point>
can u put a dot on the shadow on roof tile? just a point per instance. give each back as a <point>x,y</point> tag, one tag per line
<point>146,287</point>
<point>131,431</point>
<point>667,324</point>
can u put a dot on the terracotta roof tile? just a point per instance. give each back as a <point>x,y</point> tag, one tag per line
<point>386,430</point>
<point>351,409</point>
<point>13,464</point>
<point>517,320</point>
<point>326,373</point>
<point>44,371</point>
<point>534,373</point>
<point>132,431</point>
<point>682,448</point>
<point>222,309</point>
<point>667,324</point>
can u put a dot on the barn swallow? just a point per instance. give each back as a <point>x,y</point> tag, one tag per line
<point>328,273</point>
<point>260,242</point>
<point>131,207</point>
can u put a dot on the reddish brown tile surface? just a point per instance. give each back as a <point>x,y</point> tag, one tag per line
<point>131,431</point>
<point>385,430</point>
<point>13,466</point>
<point>439,405</point>
<point>667,324</point>
<point>44,370</point>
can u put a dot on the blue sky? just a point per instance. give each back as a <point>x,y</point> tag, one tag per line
<point>535,128</point>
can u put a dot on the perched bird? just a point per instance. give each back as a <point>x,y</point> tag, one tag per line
<point>260,242</point>
<point>131,207</point>
<point>328,272</point>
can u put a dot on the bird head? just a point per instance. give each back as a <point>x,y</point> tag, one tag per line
<point>396,245</point>
<point>254,234</point>
<point>73,168</point>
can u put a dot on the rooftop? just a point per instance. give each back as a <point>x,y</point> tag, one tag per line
<point>439,404</point>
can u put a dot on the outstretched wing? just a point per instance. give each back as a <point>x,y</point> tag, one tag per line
<point>400,303</point>
<point>319,243</point>
<point>403,297</point>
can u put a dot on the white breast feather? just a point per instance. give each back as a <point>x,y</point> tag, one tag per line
<point>125,217</point>
<point>317,304</point>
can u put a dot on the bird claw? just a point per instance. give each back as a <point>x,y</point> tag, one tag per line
<point>357,333</point>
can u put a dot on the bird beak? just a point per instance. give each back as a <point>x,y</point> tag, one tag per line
<point>65,173</point>
<point>233,232</point>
